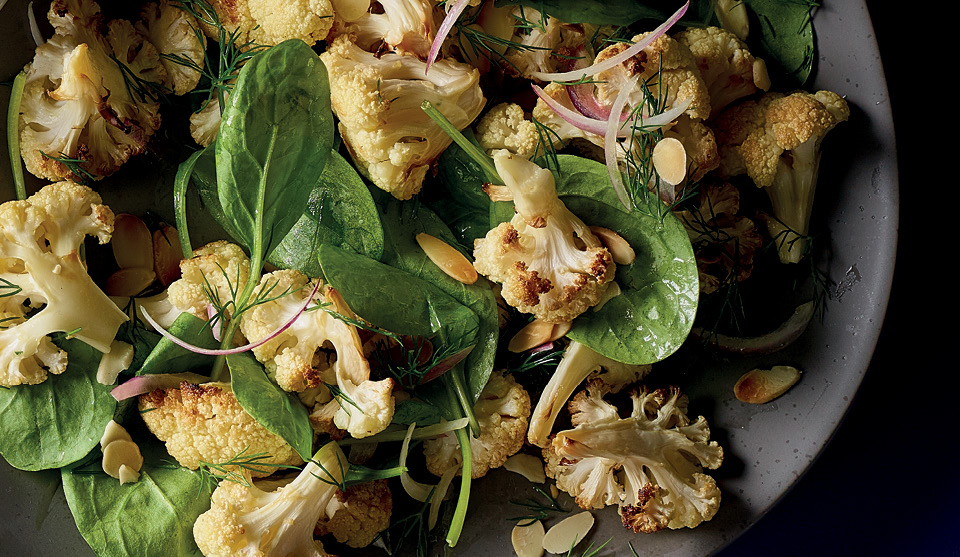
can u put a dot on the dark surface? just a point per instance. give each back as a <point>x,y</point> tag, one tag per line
<point>886,484</point>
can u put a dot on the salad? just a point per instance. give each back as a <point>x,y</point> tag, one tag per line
<point>437,240</point>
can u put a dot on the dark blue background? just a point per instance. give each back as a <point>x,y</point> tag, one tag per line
<point>888,483</point>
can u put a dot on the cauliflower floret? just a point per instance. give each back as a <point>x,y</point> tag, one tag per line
<point>679,78</point>
<point>578,363</point>
<point>404,26</point>
<point>776,140</point>
<point>502,410</point>
<point>175,33</point>
<point>44,285</point>
<point>536,256</point>
<point>299,358</point>
<point>700,145</point>
<point>726,65</point>
<point>725,242</point>
<point>76,102</point>
<point>205,124</point>
<point>357,516</point>
<point>245,520</point>
<point>215,271</point>
<point>649,463</point>
<point>504,127</point>
<point>378,99</point>
<point>267,23</point>
<point>205,423</point>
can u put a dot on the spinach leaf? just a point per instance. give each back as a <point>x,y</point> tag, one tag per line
<point>275,138</point>
<point>152,518</point>
<point>600,12</point>
<point>280,412</point>
<point>402,222</point>
<point>340,211</point>
<point>786,37</point>
<point>57,422</point>
<point>413,410</point>
<point>167,357</point>
<point>455,192</point>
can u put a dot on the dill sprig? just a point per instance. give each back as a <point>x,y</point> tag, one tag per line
<point>337,393</point>
<point>329,478</point>
<point>235,468</point>
<point>8,288</point>
<point>545,360</point>
<point>412,527</point>
<point>591,551</point>
<point>545,153</point>
<point>537,509</point>
<point>78,173</point>
<point>473,41</point>
<point>409,360</point>
<point>140,90</point>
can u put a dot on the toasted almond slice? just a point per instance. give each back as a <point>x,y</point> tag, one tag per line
<point>112,432</point>
<point>619,249</point>
<point>560,329</point>
<point>113,362</point>
<point>567,533</point>
<point>132,242</point>
<point>733,17</point>
<point>670,160</point>
<point>119,452</point>
<point>528,539</point>
<point>612,291</point>
<point>758,386</point>
<point>166,254</point>
<point>130,281</point>
<point>497,193</point>
<point>534,334</point>
<point>448,258</point>
<point>127,475</point>
<point>351,10</point>
<point>528,466</point>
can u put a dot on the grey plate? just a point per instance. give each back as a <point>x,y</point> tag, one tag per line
<point>767,448</point>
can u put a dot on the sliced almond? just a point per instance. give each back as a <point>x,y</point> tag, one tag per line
<point>497,193</point>
<point>560,330</point>
<point>350,10</point>
<point>127,475</point>
<point>761,77</point>
<point>113,432</point>
<point>758,386</point>
<point>166,254</point>
<point>534,334</point>
<point>119,452</point>
<point>448,258</point>
<point>527,539</point>
<point>113,362</point>
<point>566,534</point>
<point>733,17</point>
<point>612,291</point>
<point>130,281</point>
<point>132,242</point>
<point>670,160</point>
<point>528,466</point>
<point>620,249</point>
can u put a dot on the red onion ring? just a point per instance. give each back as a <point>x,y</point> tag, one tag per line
<point>143,384</point>
<point>444,30</point>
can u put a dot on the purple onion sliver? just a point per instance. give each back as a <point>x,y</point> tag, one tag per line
<point>444,30</point>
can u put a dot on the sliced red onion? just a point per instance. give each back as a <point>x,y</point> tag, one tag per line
<point>542,348</point>
<point>228,351</point>
<point>446,364</point>
<point>572,117</point>
<point>586,102</point>
<point>575,75</point>
<point>610,142</point>
<point>143,384</point>
<point>789,331</point>
<point>444,30</point>
<point>216,323</point>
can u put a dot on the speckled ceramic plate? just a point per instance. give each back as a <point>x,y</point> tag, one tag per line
<point>767,448</point>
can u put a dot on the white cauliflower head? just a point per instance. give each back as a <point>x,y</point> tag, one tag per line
<point>176,35</point>
<point>649,463</point>
<point>505,127</point>
<point>549,262</point>
<point>318,350</point>
<point>215,272</point>
<point>502,410</point>
<point>44,285</point>
<point>378,99</point>
<point>77,102</point>
<point>205,423</point>
<point>403,26</point>
<point>267,23</point>
<point>245,520</point>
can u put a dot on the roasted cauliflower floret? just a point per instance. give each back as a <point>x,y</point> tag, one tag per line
<point>205,423</point>
<point>404,26</point>
<point>357,516</point>
<point>319,350</point>
<point>175,34</point>
<point>268,23</point>
<point>378,99</point>
<point>726,65</point>
<point>245,520</point>
<point>649,463</point>
<point>725,242</point>
<point>679,78</point>
<point>546,258</point>
<point>776,140</point>
<point>502,410</point>
<point>215,272</point>
<point>44,285</point>
<point>541,38</point>
<point>76,102</point>
<point>699,143</point>
<point>505,127</point>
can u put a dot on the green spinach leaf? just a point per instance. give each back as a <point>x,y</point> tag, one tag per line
<point>57,422</point>
<point>151,518</point>
<point>280,412</point>
<point>785,37</point>
<point>275,138</point>
<point>168,357</point>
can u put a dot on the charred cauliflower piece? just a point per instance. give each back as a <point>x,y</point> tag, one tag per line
<point>357,516</point>
<point>378,99</point>
<point>502,410</point>
<point>546,258</point>
<point>175,34</point>
<point>216,270</point>
<point>76,101</point>
<point>268,23</point>
<point>403,26</point>
<point>649,463</point>
<point>205,423</point>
